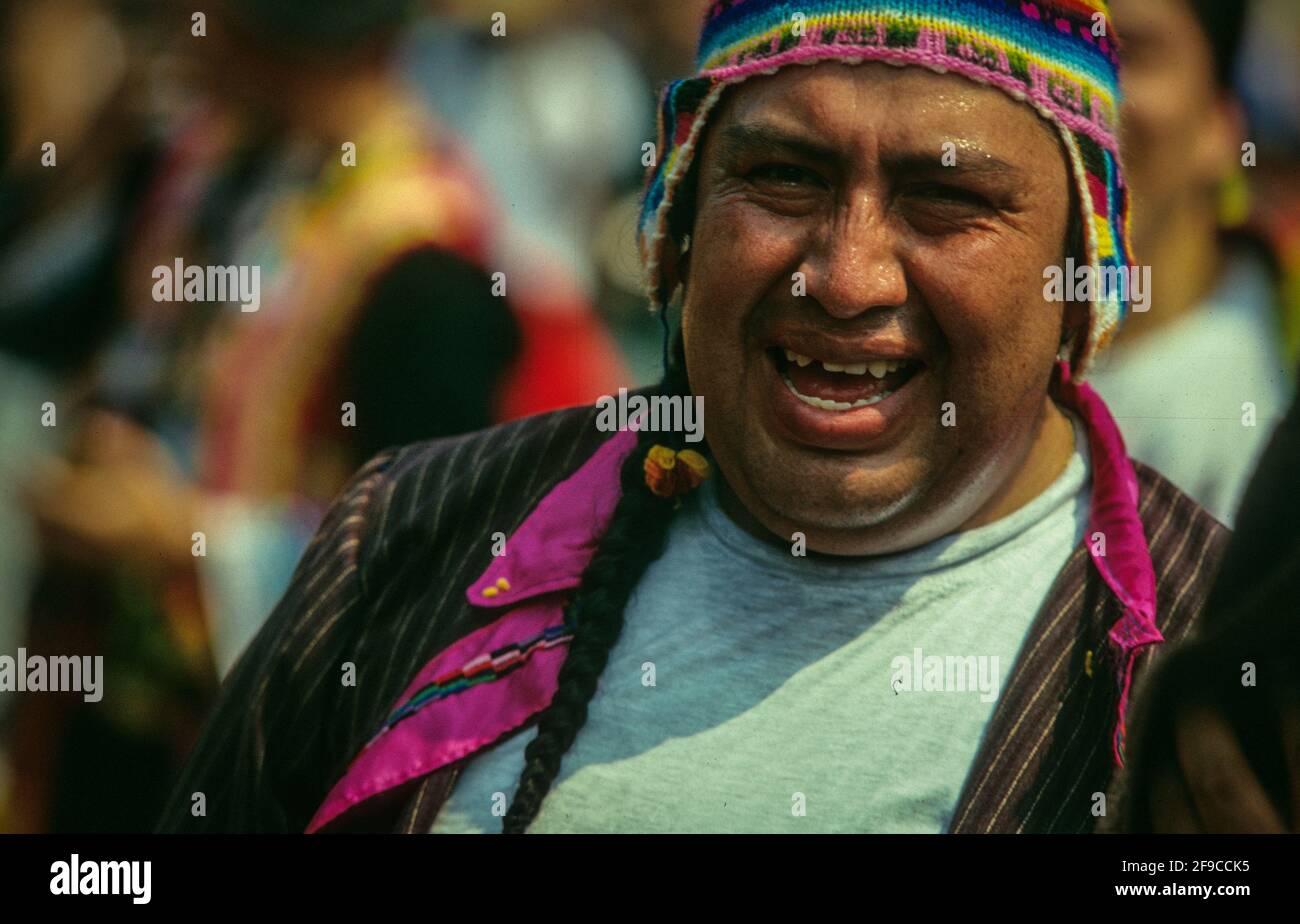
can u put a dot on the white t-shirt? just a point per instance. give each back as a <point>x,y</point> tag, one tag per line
<point>755,691</point>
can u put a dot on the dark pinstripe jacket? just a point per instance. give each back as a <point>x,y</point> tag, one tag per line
<point>382,588</point>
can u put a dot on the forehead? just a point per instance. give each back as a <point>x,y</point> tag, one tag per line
<point>872,105</point>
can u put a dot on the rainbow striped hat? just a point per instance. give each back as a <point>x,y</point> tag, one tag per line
<point>1059,56</point>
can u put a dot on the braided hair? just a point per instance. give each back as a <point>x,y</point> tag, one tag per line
<point>636,537</point>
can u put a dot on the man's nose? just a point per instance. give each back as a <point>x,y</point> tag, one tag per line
<point>855,266</point>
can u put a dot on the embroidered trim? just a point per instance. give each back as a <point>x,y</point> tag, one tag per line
<point>484,669</point>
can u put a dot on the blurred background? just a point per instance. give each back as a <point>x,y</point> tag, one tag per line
<point>441,198</point>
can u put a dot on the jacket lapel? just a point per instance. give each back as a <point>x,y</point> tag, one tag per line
<point>1041,766</point>
<point>1044,751</point>
<point>495,679</point>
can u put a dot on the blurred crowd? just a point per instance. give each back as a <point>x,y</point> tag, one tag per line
<point>441,199</point>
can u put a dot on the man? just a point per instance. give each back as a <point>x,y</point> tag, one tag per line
<point>544,627</point>
<point>1218,302</point>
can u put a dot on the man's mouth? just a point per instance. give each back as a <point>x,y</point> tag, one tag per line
<point>842,386</point>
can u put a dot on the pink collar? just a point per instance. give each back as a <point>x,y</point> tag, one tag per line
<point>493,680</point>
<point>1122,555</point>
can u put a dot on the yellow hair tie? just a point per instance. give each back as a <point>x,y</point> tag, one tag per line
<point>664,477</point>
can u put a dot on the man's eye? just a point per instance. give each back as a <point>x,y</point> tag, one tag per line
<point>783,175</point>
<point>939,192</point>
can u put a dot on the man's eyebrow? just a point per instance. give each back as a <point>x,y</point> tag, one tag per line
<point>751,138</point>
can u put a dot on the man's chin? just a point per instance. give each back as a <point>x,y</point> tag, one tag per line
<point>854,515</point>
<point>855,510</point>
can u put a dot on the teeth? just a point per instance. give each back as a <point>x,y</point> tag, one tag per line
<point>851,369</point>
<point>827,405</point>
<point>878,368</point>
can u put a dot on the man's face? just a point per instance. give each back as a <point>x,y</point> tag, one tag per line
<point>930,276</point>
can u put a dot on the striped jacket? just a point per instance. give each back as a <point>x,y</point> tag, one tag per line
<point>385,593</point>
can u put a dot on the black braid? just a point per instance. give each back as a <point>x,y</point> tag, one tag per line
<point>635,538</point>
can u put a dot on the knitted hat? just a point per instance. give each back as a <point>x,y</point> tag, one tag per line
<point>1059,56</point>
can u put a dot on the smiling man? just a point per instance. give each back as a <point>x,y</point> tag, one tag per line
<point>929,274</point>
<point>546,627</point>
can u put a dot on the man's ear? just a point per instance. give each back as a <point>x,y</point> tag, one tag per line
<point>674,265</point>
<point>1074,323</point>
<point>675,259</point>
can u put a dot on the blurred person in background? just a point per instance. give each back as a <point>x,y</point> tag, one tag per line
<point>1199,717</point>
<point>73,154</point>
<point>1199,382</point>
<point>219,434</point>
<point>1198,712</point>
<point>569,172</point>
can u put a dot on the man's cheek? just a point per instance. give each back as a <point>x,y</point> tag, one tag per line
<point>751,238</point>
